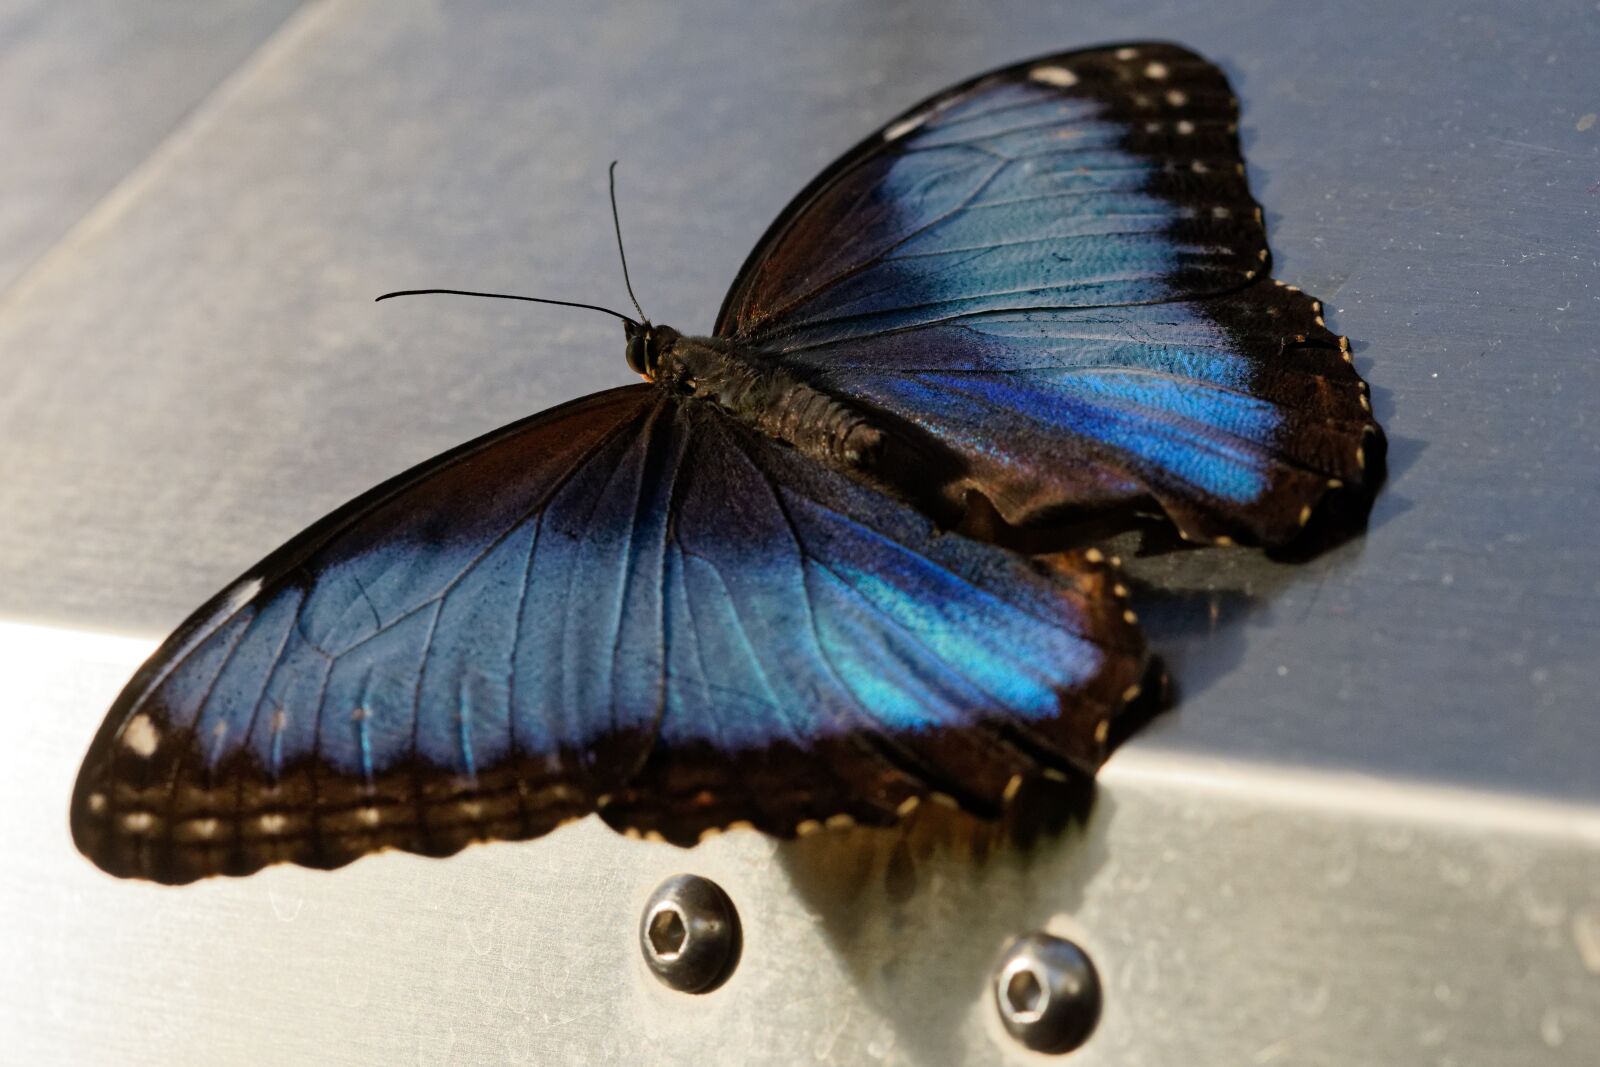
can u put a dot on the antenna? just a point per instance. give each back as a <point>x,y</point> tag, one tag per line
<point>508,296</point>
<point>617,223</point>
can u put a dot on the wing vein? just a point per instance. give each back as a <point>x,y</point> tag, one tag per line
<point>832,280</point>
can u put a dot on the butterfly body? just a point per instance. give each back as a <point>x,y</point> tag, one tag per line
<point>731,594</point>
<point>755,388</point>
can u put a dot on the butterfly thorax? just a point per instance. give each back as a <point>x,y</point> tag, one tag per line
<point>754,388</point>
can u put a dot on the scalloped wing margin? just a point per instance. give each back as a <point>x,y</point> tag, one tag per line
<point>629,605</point>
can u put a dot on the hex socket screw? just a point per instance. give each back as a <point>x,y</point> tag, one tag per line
<point>689,934</point>
<point>1047,992</point>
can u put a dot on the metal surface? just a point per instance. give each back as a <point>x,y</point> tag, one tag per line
<point>1369,834</point>
<point>1047,992</point>
<point>89,88</point>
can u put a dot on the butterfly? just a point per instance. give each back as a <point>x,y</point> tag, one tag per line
<point>739,592</point>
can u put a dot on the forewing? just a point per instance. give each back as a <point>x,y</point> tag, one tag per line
<point>1054,279</point>
<point>441,660</point>
<point>1077,180</point>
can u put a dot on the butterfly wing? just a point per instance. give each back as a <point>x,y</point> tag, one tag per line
<point>830,653</point>
<point>627,604</point>
<point>405,671</point>
<point>1053,278</point>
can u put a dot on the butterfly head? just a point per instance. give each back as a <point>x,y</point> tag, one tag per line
<point>646,343</point>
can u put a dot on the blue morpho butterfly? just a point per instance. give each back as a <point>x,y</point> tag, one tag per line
<point>735,594</point>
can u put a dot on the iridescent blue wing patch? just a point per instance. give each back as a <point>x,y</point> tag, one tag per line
<point>629,604</point>
<point>829,652</point>
<point>1055,279</point>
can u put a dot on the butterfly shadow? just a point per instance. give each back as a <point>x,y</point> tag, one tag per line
<point>918,913</point>
<point>1394,455</point>
<point>1196,602</point>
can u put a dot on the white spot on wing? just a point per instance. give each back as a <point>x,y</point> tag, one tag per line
<point>1156,70</point>
<point>140,736</point>
<point>1127,53</point>
<point>1060,77</point>
<point>240,595</point>
<point>1177,97</point>
<point>905,126</point>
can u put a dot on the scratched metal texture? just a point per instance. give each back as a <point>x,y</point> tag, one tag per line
<point>1370,834</point>
<point>89,88</point>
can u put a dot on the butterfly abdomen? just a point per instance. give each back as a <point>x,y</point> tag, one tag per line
<point>759,393</point>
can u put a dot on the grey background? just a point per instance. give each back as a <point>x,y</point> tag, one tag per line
<point>195,211</point>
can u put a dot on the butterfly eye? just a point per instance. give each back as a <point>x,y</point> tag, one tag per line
<point>639,354</point>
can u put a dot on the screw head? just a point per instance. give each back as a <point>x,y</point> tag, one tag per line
<point>1047,992</point>
<point>689,934</point>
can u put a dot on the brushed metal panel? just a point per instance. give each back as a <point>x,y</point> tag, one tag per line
<point>1366,836</point>
<point>1238,914</point>
<point>89,88</point>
